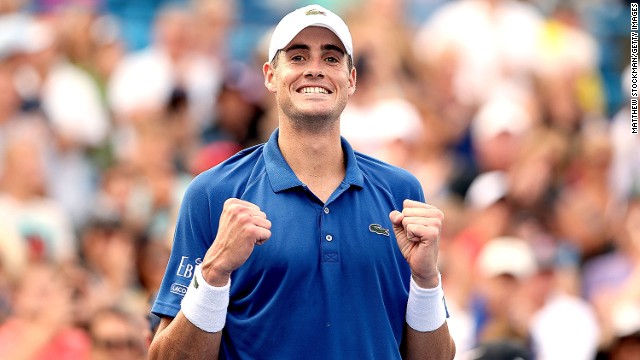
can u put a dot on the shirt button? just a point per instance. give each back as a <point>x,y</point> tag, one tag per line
<point>326,210</point>
<point>329,237</point>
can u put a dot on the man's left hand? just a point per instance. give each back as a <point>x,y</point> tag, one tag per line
<point>417,229</point>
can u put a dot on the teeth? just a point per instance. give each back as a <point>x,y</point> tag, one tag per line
<point>314,90</point>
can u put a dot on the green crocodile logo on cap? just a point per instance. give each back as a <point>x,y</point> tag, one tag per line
<point>315,12</point>
<point>378,229</point>
<point>195,282</point>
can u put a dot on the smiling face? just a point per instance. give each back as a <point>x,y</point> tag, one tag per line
<point>311,79</point>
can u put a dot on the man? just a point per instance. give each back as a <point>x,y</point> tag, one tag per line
<point>338,273</point>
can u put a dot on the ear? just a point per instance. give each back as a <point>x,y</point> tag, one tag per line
<point>352,82</point>
<point>268,72</point>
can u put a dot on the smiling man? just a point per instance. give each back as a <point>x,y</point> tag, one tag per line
<point>301,248</point>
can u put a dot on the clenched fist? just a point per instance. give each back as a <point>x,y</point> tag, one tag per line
<point>417,230</point>
<point>242,226</point>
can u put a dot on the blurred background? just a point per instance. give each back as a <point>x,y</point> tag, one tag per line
<point>513,114</point>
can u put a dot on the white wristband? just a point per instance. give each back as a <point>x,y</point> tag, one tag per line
<point>426,310</point>
<point>205,306</point>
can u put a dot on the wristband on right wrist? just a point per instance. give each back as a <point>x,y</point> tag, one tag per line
<point>205,306</point>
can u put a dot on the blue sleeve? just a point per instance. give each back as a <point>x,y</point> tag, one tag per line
<point>407,187</point>
<point>194,234</point>
<point>417,192</point>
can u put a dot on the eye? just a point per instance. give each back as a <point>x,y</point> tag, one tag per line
<point>332,60</point>
<point>297,58</point>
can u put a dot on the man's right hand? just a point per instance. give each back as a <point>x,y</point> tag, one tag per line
<point>242,226</point>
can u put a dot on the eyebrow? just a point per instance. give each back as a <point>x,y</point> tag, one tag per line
<point>326,47</point>
<point>331,47</point>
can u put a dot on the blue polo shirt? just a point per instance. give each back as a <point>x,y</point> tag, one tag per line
<point>330,283</point>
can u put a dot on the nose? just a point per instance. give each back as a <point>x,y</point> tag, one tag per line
<point>314,73</point>
<point>314,69</point>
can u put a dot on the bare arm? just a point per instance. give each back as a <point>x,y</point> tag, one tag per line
<point>436,345</point>
<point>178,338</point>
<point>417,229</point>
<point>242,226</point>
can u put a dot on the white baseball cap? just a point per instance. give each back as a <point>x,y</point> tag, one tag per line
<point>507,255</point>
<point>486,189</point>
<point>500,115</point>
<point>302,18</point>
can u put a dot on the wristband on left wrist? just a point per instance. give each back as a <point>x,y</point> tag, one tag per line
<point>426,309</point>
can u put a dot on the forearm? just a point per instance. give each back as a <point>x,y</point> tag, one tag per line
<point>180,339</point>
<point>426,332</point>
<point>437,344</point>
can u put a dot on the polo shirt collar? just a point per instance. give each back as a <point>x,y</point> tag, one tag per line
<point>282,176</point>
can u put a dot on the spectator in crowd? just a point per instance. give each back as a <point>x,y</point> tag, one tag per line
<point>485,203</point>
<point>118,334</point>
<point>152,256</point>
<point>497,132</point>
<point>90,40</point>
<point>383,56</point>
<point>486,42</point>
<point>213,20</point>
<point>44,229</point>
<point>109,260</point>
<point>560,324</point>
<point>537,171</point>
<point>42,324</point>
<point>583,211</point>
<point>503,266</point>
<point>236,117</point>
<point>610,280</point>
<point>68,98</point>
<point>147,81</point>
<point>569,84</point>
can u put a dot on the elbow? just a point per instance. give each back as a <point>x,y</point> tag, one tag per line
<point>162,349</point>
<point>155,350</point>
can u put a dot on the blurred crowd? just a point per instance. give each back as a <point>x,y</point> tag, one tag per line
<point>514,115</point>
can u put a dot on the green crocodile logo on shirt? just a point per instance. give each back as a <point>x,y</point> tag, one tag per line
<point>378,229</point>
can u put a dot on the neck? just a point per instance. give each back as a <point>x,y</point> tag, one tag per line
<point>316,158</point>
